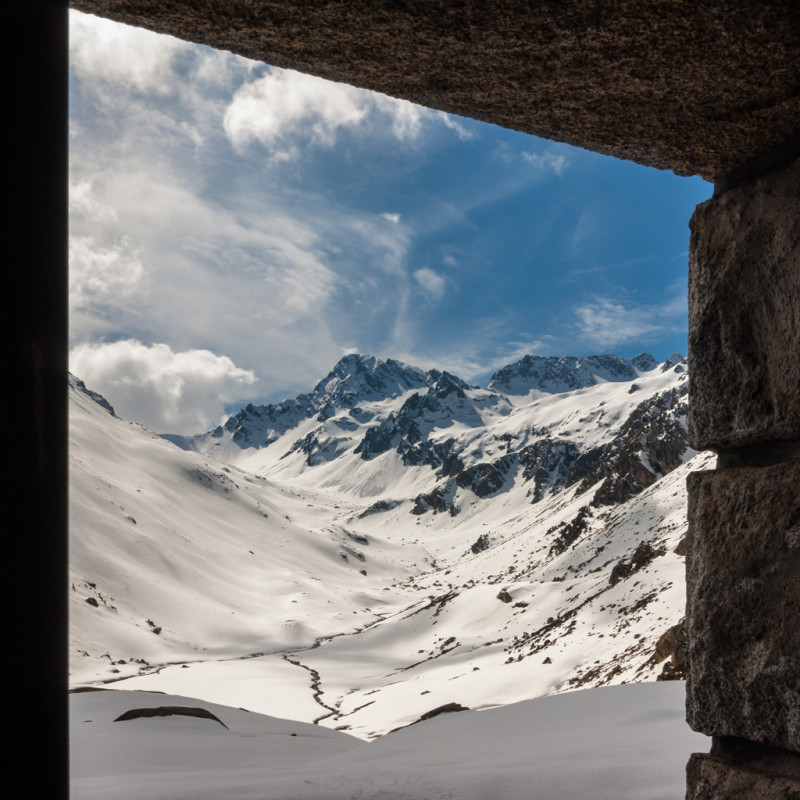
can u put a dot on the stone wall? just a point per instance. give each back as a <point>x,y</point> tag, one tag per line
<point>743,547</point>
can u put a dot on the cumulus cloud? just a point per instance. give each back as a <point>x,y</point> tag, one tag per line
<point>276,287</point>
<point>85,205</point>
<point>170,392</point>
<point>102,274</point>
<point>95,45</point>
<point>395,218</point>
<point>284,106</point>
<point>432,283</point>
<point>283,101</point>
<point>607,323</point>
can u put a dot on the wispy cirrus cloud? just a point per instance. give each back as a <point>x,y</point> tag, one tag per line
<point>432,283</point>
<point>477,357</point>
<point>547,161</point>
<point>608,323</point>
<point>553,158</point>
<point>462,131</point>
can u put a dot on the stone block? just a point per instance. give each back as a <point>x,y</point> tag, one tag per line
<point>744,314</point>
<point>743,604</point>
<point>709,778</point>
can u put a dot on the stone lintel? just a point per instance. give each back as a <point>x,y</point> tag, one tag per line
<point>698,87</point>
<point>744,314</point>
<point>743,604</point>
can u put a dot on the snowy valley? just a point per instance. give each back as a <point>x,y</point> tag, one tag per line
<point>391,543</point>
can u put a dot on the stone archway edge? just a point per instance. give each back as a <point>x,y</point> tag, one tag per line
<point>698,87</point>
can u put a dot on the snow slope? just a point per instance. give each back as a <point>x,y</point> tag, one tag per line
<point>360,592</point>
<point>614,743</point>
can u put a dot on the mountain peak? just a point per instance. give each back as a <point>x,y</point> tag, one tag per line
<point>357,378</point>
<point>674,360</point>
<point>555,375</point>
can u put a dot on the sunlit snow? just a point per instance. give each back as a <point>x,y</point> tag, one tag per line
<point>263,584</point>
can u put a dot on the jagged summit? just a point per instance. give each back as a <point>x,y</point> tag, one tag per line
<point>555,375</point>
<point>677,362</point>
<point>364,378</point>
<point>355,379</point>
<point>370,406</point>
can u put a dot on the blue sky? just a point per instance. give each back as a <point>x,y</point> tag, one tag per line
<point>235,229</point>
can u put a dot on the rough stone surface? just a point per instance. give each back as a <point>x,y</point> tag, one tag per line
<point>743,604</point>
<point>708,778</point>
<point>744,314</point>
<point>737,768</point>
<point>698,87</point>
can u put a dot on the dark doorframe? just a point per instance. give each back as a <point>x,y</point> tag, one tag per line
<point>34,419</point>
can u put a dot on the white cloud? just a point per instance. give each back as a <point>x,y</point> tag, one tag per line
<point>554,162</point>
<point>84,204</point>
<point>406,117</point>
<point>431,282</point>
<point>607,323</point>
<point>283,106</point>
<point>472,359</point>
<point>102,274</point>
<point>283,101</point>
<point>96,45</point>
<point>275,287</point>
<point>395,218</point>
<point>183,392</point>
<point>452,122</point>
<point>449,261</point>
<point>585,228</point>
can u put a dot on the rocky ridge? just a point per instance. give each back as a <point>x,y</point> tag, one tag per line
<point>475,439</point>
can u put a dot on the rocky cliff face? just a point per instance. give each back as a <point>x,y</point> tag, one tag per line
<point>445,400</point>
<point>651,444</point>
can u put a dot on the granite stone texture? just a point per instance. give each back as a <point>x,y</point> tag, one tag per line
<point>744,314</point>
<point>743,604</point>
<point>708,778</point>
<point>698,87</point>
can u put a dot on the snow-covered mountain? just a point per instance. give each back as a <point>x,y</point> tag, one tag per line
<point>556,422</point>
<point>354,379</point>
<point>556,375</point>
<point>393,541</point>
